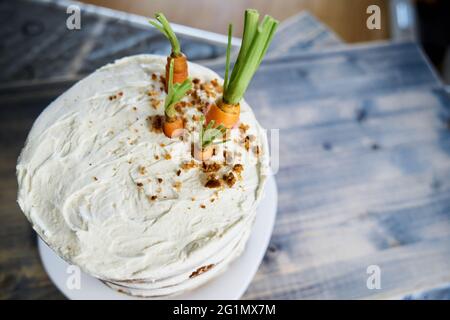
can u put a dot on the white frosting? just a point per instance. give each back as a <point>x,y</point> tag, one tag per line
<point>82,186</point>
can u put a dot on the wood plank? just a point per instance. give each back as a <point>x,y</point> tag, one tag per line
<point>364,173</point>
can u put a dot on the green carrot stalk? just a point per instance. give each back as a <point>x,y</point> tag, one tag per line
<point>209,134</point>
<point>181,72</point>
<point>166,29</point>
<point>227,62</point>
<point>255,42</point>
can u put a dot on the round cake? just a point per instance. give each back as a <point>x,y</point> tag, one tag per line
<point>109,192</point>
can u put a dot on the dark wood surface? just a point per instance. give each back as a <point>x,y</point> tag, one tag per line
<point>364,168</point>
<point>364,173</point>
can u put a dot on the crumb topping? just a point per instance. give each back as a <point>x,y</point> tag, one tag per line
<point>213,182</point>
<point>229,178</point>
<point>211,167</point>
<point>217,173</point>
<point>177,185</point>
<point>188,165</point>
<point>155,123</point>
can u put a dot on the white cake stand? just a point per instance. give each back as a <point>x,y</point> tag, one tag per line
<point>229,285</point>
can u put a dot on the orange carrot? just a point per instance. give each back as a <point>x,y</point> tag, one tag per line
<point>173,127</point>
<point>255,41</point>
<point>172,122</point>
<point>224,114</point>
<point>180,72</point>
<point>180,69</point>
<point>203,154</point>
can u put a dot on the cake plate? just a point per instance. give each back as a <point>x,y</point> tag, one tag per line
<point>231,284</point>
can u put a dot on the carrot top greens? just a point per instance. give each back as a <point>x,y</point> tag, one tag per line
<point>209,134</point>
<point>255,41</point>
<point>166,29</point>
<point>175,92</point>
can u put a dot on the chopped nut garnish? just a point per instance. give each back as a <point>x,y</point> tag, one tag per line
<point>188,165</point>
<point>201,270</point>
<point>238,168</point>
<point>167,156</point>
<point>229,179</point>
<point>211,167</point>
<point>247,143</point>
<point>134,108</point>
<point>177,185</point>
<point>208,89</point>
<point>155,103</point>
<point>156,123</point>
<point>195,96</point>
<point>217,85</point>
<point>202,206</point>
<point>243,127</point>
<point>142,170</point>
<point>139,184</point>
<point>180,105</point>
<point>95,178</point>
<point>178,173</point>
<point>256,150</point>
<point>160,180</point>
<point>213,182</point>
<point>154,76</point>
<point>162,145</point>
<point>156,157</point>
<point>153,198</point>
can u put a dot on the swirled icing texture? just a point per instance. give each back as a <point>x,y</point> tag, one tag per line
<point>106,192</point>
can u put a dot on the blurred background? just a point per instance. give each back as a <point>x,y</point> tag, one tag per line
<point>426,20</point>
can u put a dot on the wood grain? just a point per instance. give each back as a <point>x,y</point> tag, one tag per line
<point>364,175</point>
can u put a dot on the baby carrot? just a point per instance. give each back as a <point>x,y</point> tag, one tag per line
<point>173,124</point>
<point>255,42</point>
<point>209,134</point>
<point>180,70</point>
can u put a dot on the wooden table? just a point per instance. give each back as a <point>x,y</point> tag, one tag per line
<point>364,153</point>
<point>364,173</point>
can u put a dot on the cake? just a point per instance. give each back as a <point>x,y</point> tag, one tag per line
<point>109,192</point>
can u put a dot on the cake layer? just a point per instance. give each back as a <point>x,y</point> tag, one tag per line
<point>185,282</point>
